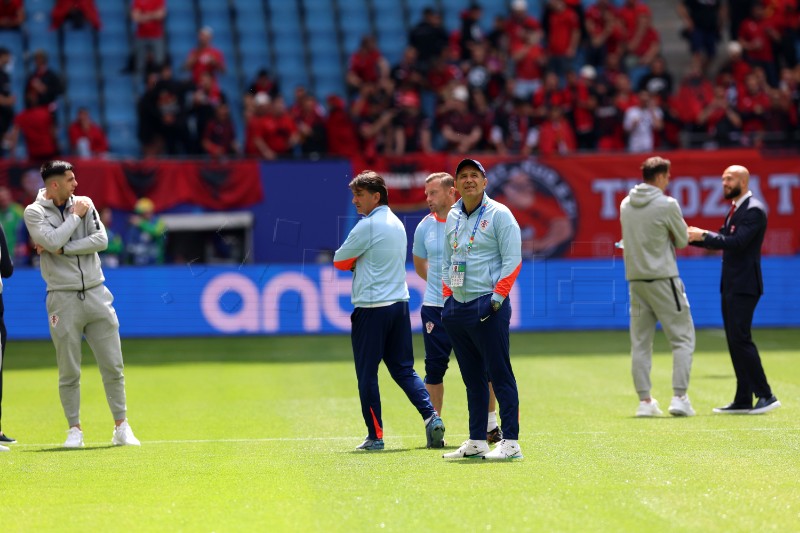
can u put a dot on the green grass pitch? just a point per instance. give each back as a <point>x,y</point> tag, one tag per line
<point>257,434</point>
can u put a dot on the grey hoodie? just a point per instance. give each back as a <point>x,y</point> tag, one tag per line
<point>652,226</point>
<point>78,268</point>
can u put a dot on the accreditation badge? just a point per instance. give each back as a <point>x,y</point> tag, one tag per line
<point>457,272</point>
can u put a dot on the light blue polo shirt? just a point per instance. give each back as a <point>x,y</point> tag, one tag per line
<point>429,243</point>
<point>375,250</point>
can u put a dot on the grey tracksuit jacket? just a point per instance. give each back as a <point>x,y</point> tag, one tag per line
<point>78,268</point>
<point>652,227</point>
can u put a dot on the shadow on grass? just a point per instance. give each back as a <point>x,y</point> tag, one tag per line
<point>338,348</point>
<point>372,452</point>
<point>68,450</point>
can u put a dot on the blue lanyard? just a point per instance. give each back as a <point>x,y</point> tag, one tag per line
<point>471,237</point>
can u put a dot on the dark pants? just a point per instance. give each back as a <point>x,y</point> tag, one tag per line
<point>2,352</point>
<point>481,349</point>
<point>737,314</point>
<point>384,333</point>
<point>437,344</point>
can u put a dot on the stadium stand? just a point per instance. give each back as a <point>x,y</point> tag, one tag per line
<point>309,43</point>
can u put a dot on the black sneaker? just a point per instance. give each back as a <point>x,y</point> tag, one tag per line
<point>6,438</point>
<point>494,436</point>
<point>734,409</point>
<point>764,405</point>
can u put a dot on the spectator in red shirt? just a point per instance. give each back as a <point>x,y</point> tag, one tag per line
<point>219,137</point>
<point>12,14</point>
<point>752,106</point>
<point>254,142</point>
<point>412,129</point>
<point>736,65</point>
<point>780,120</point>
<point>641,58</point>
<point>604,29</point>
<point>310,122</point>
<point>205,58</point>
<point>635,18</point>
<point>529,62</point>
<point>148,15</point>
<point>77,11</point>
<point>563,37</point>
<point>720,121</point>
<point>340,129</point>
<point>277,131</point>
<point>520,25</point>
<point>367,65</point>
<point>38,129</point>
<point>86,138</point>
<point>45,84</point>
<point>783,18</point>
<point>755,36</point>
<point>556,135</point>
<point>549,96</point>
<point>459,128</point>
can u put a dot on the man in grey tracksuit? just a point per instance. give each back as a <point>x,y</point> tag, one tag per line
<point>652,226</point>
<point>68,233</point>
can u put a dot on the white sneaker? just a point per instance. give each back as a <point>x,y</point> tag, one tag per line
<point>4,448</point>
<point>471,449</point>
<point>505,449</point>
<point>74,438</point>
<point>123,436</point>
<point>648,408</point>
<point>681,406</point>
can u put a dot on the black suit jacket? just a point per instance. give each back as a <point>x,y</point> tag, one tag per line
<point>740,240</point>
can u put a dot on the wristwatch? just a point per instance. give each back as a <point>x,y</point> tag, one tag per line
<point>496,306</point>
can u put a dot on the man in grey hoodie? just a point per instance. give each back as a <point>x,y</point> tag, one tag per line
<point>68,233</point>
<point>652,226</point>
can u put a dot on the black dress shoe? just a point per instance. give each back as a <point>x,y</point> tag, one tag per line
<point>734,409</point>
<point>764,405</point>
<point>6,438</point>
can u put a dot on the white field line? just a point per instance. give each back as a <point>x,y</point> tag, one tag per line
<point>532,436</point>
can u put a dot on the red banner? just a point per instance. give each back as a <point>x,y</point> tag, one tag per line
<point>569,206</point>
<point>118,184</point>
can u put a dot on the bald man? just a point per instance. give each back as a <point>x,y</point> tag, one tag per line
<point>740,240</point>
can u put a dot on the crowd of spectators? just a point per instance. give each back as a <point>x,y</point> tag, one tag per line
<point>577,78</point>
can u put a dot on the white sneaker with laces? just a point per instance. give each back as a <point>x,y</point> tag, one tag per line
<point>681,406</point>
<point>505,449</point>
<point>471,449</point>
<point>4,448</point>
<point>648,408</point>
<point>74,438</point>
<point>123,436</point>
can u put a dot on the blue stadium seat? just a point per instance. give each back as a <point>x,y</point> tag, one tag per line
<point>328,86</point>
<point>415,8</point>
<point>252,25</point>
<point>392,43</point>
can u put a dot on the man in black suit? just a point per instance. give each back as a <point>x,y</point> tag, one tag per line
<point>740,240</point>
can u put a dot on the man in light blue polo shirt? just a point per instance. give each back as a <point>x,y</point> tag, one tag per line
<point>428,249</point>
<point>481,262</point>
<point>375,251</point>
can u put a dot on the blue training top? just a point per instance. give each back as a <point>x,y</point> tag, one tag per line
<point>375,250</point>
<point>429,243</point>
<point>493,259</point>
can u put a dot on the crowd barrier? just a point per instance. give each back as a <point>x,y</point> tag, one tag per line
<point>550,294</point>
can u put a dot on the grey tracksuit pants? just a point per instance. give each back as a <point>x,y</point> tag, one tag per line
<point>94,317</point>
<point>660,300</point>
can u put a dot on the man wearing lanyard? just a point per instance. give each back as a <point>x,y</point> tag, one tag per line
<point>482,261</point>
<point>375,251</point>
<point>428,248</point>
